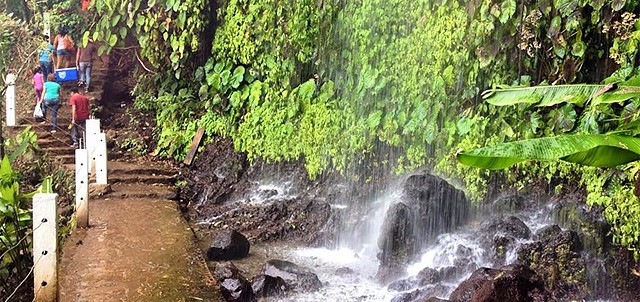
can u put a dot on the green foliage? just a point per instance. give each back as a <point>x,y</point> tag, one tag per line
<point>12,33</point>
<point>545,96</point>
<point>66,14</point>
<point>597,150</point>
<point>23,145</point>
<point>328,82</point>
<point>167,31</point>
<point>612,190</point>
<point>15,226</point>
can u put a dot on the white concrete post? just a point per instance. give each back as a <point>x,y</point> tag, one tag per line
<point>45,247</point>
<point>92,131</point>
<point>10,99</point>
<point>82,188</point>
<point>101,159</point>
<point>46,24</point>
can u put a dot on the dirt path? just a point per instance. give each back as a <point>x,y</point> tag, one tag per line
<point>138,247</point>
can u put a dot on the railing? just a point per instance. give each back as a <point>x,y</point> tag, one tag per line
<point>90,159</point>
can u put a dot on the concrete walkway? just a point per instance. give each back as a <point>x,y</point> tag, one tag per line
<point>138,246</point>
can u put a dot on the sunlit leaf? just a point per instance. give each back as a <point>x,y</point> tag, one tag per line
<point>578,49</point>
<point>598,150</point>
<point>113,39</point>
<point>544,96</point>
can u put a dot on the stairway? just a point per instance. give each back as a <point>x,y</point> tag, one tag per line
<point>58,145</point>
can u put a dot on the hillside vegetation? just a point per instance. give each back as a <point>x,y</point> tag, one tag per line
<point>373,83</point>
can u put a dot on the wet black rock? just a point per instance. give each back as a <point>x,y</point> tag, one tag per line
<point>344,271</point>
<point>508,204</point>
<point>421,294</point>
<point>509,226</point>
<point>390,272</point>
<point>233,286</point>
<point>399,241</point>
<point>402,285</point>
<point>268,286</point>
<point>589,222</point>
<point>433,299</point>
<point>500,235</point>
<point>556,258</point>
<point>213,177</point>
<point>428,276</point>
<point>466,289</point>
<point>408,297</point>
<point>501,245</point>
<point>554,235</point>
<point>514,283</point>
<point>297,278</point>
<point>429,207</point>
<point>235,290</point>
<point>452,273</point>
<point>228,245</point>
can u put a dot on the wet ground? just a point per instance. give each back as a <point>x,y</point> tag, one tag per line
<point>137,248</point>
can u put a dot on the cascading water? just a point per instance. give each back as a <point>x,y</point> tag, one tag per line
<point>418,236</point>
<point>352,272</point>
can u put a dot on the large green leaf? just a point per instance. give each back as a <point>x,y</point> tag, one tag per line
<point>544,96</point>
<point>598,150</point>
<point>623,93</point>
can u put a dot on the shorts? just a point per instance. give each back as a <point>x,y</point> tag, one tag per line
<point>63,53</point>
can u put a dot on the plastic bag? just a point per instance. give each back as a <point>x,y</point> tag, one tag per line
<point>37,112</point>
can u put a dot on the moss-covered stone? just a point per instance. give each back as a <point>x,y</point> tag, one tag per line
<point>588,223</point>
<point>556,257</point>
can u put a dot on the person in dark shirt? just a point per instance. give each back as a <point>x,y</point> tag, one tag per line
<point>79,114</point>
<point>84,60</point>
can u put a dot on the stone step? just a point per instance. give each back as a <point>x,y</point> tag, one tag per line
<point>50,142</point>
<point>42,128</point>
<point>60,150</point>
<point>99,74</point>
<point>123,168</point>
<point>63,137</point>
<point>65,159</point>
<point>144,191</point>
<point>22,123</point>
<point>137,178</point>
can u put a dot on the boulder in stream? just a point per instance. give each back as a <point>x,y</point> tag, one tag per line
<point>426,293</point>
<point>429,207</point>
<point>233,286</point>
<point>296,277</point>
<point>228,245</point>
<point>501,235</point>
<point>509,226</point>
<point>268,286</point>
<point>513,283</point>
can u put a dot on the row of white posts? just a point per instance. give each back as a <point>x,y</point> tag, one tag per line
<point>93,158</point>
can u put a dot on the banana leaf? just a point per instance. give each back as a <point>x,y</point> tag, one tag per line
<point>597,150</point>
<point>623,93</point>
<point>544,96</point>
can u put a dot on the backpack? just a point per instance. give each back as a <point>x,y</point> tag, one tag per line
<point>67,42</point>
